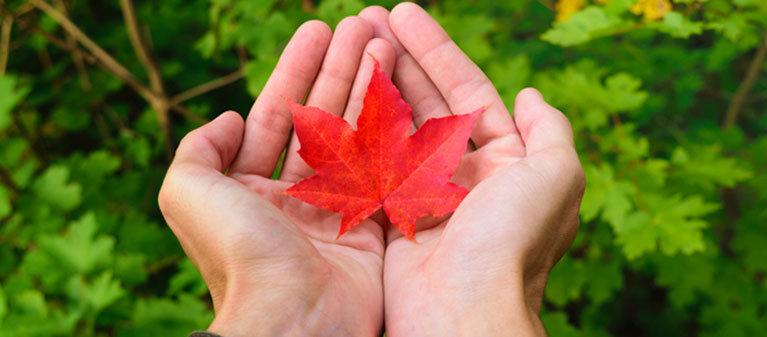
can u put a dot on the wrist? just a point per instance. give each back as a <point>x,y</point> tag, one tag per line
<point>269,305</point>
<point>465,306</point>
<point>534,285</point>
<point>303,304</point>
<point>512,305</point>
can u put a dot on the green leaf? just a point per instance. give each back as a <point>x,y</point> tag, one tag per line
<point>677,25</point>
<point>8,258</point>
<point>31,302</point>
<point>510,76</point>
<point>160,317</point>
<point>605,278</point>
<point>605,195</point>
<point>622,92</point>
<point>52,188</point>
<point>732,27</point>
<point>102,292</point>
<point>587,24</point>
<point>130,268</point>
<point>3,304</point>
<point>685,283</point>
<point>80,250</point>
<point>71,119</point>
<point>566,281</point>
<point>138,149</point>
<point>11,151</point>
<point>706,167</point>
<point>670,224</point>
<point>257,72</point>
<point>580,87</point>
<point>11,94</point>
<point>332,11</point>
<point>557,325</point>
<point>469,32</point>
<point>187,280</point>
<point>5,202</point>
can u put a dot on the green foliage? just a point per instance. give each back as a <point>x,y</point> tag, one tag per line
<point>673,222</point>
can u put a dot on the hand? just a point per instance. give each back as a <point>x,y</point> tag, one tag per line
<point>481,271</point>
<point>271,262</point>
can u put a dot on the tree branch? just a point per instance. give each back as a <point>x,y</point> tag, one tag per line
<point>5,41</point>
<point>140,47</point>
<point>740,96</point>
<point>102,56</point>
<point>206,87</point>
<point>95,54</point>
<point>160,103</point>
<point>77,55</point>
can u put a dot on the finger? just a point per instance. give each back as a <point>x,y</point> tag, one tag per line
<point>415,85</point>
<point>269,122</point>
<point>463,85</point>
<point>541,126</point>
<point>195,179</point>
<point>213,145</point>
<point>384,53</point>
<point>330,91</point>
<point>203,154</point>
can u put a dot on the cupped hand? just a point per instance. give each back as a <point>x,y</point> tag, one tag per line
<point>272,263</point>
<point>481,271</point>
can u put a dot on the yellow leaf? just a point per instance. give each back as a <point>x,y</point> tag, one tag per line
<point>565,8</point>
<point>651,10</point>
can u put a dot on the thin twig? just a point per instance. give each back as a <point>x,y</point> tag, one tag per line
<point>50,37</point>
<point>102,56</point>
<point>5,41</point>
<point>160,103</point>
<point>101,125</point>
<point>115,117</point>
<point>24,9</point>
<point>206,87</point>
<point>740,96</point>
<point>5,178</point>
<point>77,55</point>
<point>188,114</point>
<point>242,55</point>
<point>140,46</point>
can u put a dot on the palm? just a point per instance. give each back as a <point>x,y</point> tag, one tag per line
<point>318,226</point>
<point>349,268</point>
<point>493,239</point>
<point>461,232</point>
<point>244,233</point>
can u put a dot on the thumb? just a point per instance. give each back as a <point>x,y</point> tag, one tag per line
<point>213,145</point>
<point>201,157</point>
<point>540,125</point>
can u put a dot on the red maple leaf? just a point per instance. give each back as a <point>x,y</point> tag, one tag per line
<point>381,164</point>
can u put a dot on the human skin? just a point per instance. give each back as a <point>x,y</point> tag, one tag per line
<point>483,270</point>
<point>272,263</point>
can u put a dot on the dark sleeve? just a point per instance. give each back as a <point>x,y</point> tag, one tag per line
<point>203,334</point>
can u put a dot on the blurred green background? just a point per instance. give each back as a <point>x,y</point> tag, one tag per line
<point>668,99</point>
